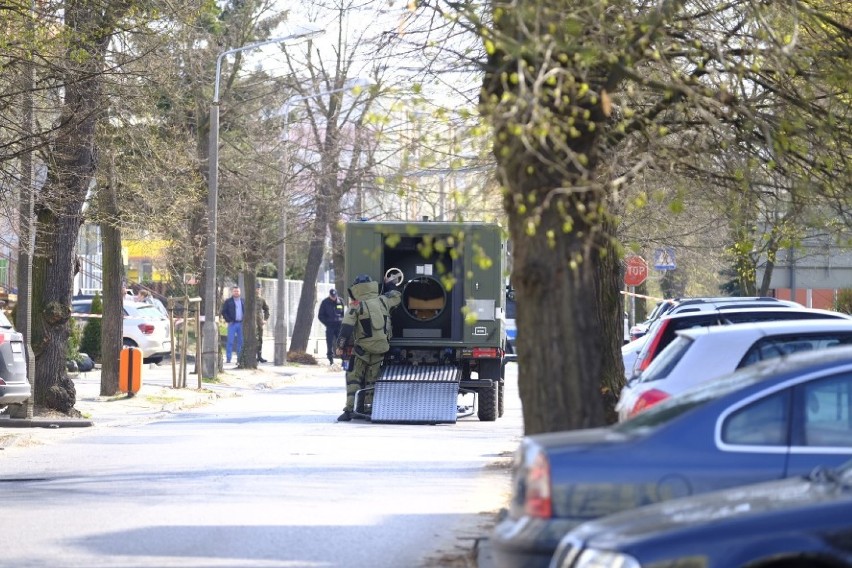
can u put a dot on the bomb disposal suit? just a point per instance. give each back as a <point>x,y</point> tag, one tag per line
<point>368,322</point>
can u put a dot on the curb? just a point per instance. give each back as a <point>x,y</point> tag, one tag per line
<point>44,423</point>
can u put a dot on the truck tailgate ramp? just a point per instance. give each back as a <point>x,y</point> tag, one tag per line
<point>416,394</point>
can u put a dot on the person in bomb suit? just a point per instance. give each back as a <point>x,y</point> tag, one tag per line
<point>367,324</point>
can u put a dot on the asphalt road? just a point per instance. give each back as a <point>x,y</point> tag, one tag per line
<point>265,478</point>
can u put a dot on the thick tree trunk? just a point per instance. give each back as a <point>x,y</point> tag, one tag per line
<point>611,321</point>
<point>564,270</point>
<point>54,272</point>
<point>561,342</point>
<point>61,200</point>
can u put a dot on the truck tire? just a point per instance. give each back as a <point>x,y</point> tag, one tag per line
<point>489,397</point>
<point>487,408</point>
<point>500,399</point>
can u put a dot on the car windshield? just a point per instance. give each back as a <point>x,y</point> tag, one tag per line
<point>142,311</point>
<point>4,321</point>
<point>662,365</point>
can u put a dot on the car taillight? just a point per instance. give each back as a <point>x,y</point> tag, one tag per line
<point>2,338</point>
<point>648,399</point>
<point>537,502</point>
<point>2,382</point>
<point>146,328</point>
<point>651,352</point>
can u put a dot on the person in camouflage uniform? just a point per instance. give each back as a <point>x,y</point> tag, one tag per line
<point>367,324</point>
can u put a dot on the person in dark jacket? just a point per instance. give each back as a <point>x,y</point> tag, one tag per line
<point>233,310</point>
<point>331,315</point>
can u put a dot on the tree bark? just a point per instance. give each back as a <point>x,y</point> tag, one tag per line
<point>112,329</point>
<point>338,255</point>
<point>564,265</point>
<point>72,167</point>
<point>248,358</point>
<point>307,300</point>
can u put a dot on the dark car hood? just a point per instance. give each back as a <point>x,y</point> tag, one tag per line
<point>717,507</point>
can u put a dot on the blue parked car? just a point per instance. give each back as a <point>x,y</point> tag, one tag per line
<point>803,521</point>
<point>777,419</point>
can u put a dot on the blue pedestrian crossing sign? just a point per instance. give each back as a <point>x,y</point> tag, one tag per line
<point>664,259</point>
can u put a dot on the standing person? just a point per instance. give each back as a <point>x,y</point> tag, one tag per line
<point>262,314</point>
<point>331,316</point>
<point>232,312</point>
<point>367,323</point>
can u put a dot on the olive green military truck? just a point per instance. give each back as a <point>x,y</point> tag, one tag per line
<point>448,334</point>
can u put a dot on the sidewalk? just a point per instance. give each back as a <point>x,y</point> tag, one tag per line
<point>156,397</point>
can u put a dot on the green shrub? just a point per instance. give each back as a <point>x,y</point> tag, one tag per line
<point>75,335</point>
<point>91,342</point>
<point>843,303</point>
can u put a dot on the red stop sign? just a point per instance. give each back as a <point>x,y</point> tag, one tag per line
<point>636,271</point>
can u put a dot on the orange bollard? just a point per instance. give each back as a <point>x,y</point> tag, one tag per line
<point>130,370</point>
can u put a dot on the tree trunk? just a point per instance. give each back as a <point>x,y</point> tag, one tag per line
<point>112,328</point>
<point>59,212</point>
<point>54,273</point>
<point>338,257</point>
<point>611,321</point>
<point>307,300</point>
<point>560,338</point>
<point>564,270</point>
<point>248,358</point>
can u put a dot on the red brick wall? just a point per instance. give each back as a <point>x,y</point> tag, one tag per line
<point>820,298</point>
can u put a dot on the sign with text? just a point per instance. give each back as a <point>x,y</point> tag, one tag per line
<point>635,271</point>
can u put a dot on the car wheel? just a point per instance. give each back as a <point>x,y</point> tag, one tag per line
<point>156,360</point>
<point>127,342</point>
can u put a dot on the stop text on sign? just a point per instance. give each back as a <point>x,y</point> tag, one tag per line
<point>635,271</point>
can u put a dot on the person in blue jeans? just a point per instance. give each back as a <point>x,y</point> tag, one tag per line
<point>232,312</point>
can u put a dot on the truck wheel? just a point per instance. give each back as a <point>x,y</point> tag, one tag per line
<point>487,407</point>
<point>500,399</point>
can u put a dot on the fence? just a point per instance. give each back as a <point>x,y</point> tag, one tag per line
<point>292,295</point>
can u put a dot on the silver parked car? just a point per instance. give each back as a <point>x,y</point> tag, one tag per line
<point>15,389</point>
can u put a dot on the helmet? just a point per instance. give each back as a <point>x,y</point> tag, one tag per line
<point>361,279</point>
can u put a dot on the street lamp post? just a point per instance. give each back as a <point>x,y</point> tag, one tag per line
<point>210,334</point>
<point>282,313</point>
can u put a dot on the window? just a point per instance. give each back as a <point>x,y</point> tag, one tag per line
<point>662,365</point>
<point>827,415</point>
<point>771,347</point>
<point>762,423</point>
